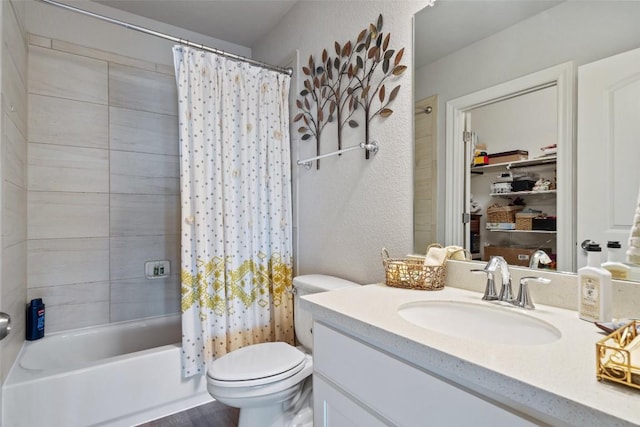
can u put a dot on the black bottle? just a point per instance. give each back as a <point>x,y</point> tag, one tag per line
<point>35,319</point>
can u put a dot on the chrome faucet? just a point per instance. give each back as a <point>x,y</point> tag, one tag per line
<point>490,294</point>
<point>539,257</point>
<point>524,298</point>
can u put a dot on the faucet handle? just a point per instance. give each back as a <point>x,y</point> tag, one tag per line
<point>524,298</point>
<point>490,293</point>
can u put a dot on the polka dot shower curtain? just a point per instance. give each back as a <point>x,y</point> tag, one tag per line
<point>235,178</point>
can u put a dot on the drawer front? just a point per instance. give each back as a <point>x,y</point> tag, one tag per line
<point>399,392</point>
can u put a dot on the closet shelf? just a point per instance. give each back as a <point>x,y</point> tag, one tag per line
<point>524,231</point>
<point>517,164</point>
<point>523,193</point>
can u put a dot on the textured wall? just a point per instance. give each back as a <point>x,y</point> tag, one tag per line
<point>352,207</point>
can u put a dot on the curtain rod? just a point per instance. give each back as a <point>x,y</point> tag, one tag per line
<point>287,71</point>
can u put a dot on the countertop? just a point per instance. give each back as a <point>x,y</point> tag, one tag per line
<point>555,382</point>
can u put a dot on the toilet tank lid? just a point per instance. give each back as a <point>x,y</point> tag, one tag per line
<point>321,283</point>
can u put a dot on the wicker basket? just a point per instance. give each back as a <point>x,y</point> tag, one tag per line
<point>524,221</point>
<point>497,213</point>
<point>412,273</point>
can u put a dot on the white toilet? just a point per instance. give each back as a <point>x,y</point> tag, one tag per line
<point>271,382</point>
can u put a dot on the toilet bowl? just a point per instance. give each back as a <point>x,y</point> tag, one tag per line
<point>271,382</point>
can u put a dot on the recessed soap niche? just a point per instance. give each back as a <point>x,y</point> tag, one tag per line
<point>157,269</point>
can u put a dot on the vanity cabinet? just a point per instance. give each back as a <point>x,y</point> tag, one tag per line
<point>358,384</point>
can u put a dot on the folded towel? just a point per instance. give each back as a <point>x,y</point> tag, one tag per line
<point>457,253</point>
<point>437,256</point>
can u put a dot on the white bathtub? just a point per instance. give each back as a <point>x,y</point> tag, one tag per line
<point>121,374</point>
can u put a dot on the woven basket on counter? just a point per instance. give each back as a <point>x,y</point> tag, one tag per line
<point>412,273</point>
<point>497,213</point>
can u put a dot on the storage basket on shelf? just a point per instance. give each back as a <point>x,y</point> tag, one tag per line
<point>524,221</point>
<point>497,213</point>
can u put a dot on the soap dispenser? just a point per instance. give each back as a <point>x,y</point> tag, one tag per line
<point>614,263</point>
<point>594,288</point>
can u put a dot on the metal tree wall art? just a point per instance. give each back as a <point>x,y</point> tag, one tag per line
<point>339,82</point>
<point>353,80</point>
<point>315,99</point>
<point>373,51</point>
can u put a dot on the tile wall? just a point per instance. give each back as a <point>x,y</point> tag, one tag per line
<point>103,185</point>
<point>13,166</point>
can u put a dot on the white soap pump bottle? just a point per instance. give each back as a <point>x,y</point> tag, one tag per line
<point>594,288</point>
<point>614,262</point>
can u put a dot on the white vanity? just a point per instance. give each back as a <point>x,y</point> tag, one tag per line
<point>374,367</point>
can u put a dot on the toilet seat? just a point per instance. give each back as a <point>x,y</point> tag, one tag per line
<point>256,365</point>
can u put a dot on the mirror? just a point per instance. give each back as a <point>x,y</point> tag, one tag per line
<point>463,47</point>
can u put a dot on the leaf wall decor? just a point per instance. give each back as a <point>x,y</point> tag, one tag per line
<point>376,63</point>
<point>355,79</point>
<point>313,103</point>
<point>339,81</point>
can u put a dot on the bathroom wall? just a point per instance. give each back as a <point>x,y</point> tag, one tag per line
<point>13,185</point>
<point>352,207</point>
<point>60,24</point>
<point>103,185</point>
<point>102,166</point>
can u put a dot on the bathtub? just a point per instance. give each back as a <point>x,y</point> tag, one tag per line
<point>120,374</point>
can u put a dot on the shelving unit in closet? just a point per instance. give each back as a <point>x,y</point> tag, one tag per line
<point>520,211</point>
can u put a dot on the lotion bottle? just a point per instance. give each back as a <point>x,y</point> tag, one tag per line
<point>614,263</point>
<point>594,288</point>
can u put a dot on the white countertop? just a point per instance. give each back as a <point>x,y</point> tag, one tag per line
<point>554,383</point>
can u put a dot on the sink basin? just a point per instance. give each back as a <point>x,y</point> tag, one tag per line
<point>479,322</point>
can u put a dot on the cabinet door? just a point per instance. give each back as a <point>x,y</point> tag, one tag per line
<point>331,408</point>
<point>397,391</point>
<point>608,149</point>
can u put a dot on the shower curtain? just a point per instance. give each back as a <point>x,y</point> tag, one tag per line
<point>235,179</point>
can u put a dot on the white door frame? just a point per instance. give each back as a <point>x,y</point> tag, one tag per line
<point>456,203</point>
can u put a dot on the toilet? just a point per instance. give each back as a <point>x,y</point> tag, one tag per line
<point>271,382</point>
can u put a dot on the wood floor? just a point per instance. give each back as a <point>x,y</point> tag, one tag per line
<point>212,414</point>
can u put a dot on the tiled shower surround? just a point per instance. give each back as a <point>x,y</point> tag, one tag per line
<point>103,185</point>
